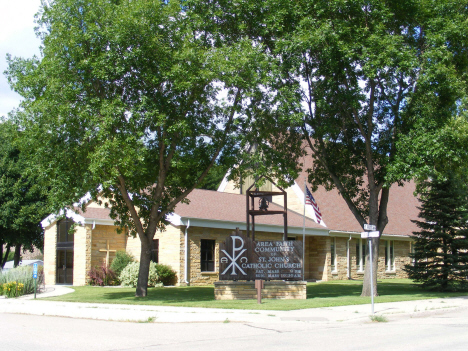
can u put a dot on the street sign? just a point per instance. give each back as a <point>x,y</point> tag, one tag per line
<point>35,278</point>
<point>370,227</point>
<point>373,234</point>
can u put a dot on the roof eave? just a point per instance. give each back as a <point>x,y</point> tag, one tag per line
<point>219,224</point>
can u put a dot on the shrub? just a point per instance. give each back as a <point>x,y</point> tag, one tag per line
<point>166,274</point>
<point>13,289</point>
<point>120,261</point>
<point>102,276</point>
<point>23,280</point>
<point>129,275</point>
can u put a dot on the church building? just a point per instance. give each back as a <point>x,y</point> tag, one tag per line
<point>190,244</point>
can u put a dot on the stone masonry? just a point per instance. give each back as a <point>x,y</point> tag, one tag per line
<point>229,290</point>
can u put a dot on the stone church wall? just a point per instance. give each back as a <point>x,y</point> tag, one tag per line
<point>50,254</point>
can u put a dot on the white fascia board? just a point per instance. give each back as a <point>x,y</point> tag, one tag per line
<point>67,212</point>
<point>174,219</point>
<point>100,221</point>
<point>48,221</point>
<point>84,200</point>
<point>397,237</point>
<point>224,183</point>
<point>210,223</point>
<point>339,233</point>
<point>344,234</point>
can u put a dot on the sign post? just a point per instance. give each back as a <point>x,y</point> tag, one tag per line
<point>259,286</point>
<point>369,236</point>
<point>35,278</point>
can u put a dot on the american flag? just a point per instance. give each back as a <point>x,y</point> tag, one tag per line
<point>311,201</point>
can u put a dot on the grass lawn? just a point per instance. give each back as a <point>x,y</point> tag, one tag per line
<point>324,294</point>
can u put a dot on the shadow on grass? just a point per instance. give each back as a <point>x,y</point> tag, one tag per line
<point>325,294</point>
<point>166,295</point>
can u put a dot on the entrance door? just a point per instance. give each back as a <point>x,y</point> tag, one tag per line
<point>64,267</point>
<point>64,264</point>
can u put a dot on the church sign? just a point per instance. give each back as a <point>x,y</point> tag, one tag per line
<point>240,258</point>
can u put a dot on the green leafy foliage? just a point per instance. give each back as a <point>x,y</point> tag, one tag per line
<point>166,274</point>
<point>120,261</point>
<point>357,78</point>
<point>130,102</point>
<point>129,275</point>
<point>441,246</point>
<point>213,178</point>
<point>23,200</point>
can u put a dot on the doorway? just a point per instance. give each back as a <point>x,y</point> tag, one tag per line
<point>65,242</point>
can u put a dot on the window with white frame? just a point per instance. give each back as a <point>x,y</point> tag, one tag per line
<point>360,254</point>
<point>333,254</point>
<point>389,255</point>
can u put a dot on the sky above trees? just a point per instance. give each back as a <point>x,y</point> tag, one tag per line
<point>17,38</point>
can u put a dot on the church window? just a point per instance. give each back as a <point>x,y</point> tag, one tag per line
<point>207,255</point>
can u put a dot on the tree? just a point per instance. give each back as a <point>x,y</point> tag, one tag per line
<point>441,246</point>
<point>22,198</point>
<point>213,178</point>
<point>125,103</point>
<point>358,76</point>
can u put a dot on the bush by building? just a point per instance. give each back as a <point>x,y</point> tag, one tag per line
<point>120,261</point>
<point>129,275</point>
<point>102,276</point>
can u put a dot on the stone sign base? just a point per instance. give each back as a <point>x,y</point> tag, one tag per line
<point>276,289</point>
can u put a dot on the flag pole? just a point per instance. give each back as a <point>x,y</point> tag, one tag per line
<point>303,234</point>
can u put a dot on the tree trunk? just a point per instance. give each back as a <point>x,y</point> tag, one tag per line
<point>5,258</point>
<point>17,257</point>
<point>366,286</point>
<point>145,259</point>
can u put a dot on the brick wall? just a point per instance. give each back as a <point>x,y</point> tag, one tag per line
<point>318,249</point>
<point>50,254</point>
<point>81,254</point>
<point>171,249</point>
<point>99,237</point>
<point>227,290</point>
<point>401,249</point>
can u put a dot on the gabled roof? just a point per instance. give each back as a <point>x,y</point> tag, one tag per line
<point>92,215</point>
<point>402,207</point>
<point>210,208</point>
<point>216,209</point>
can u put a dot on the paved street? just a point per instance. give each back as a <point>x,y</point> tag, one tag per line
<point>431,330</point>
<point>28,324</point>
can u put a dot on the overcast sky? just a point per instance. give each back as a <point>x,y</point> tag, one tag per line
<point>17,38</point>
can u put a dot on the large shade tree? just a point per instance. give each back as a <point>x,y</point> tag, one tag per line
<point>23,200</point>
<point>359,76</point>
<point>365,73</point>
<point>130,101</point>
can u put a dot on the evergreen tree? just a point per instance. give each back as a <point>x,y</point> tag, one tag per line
<point>441,246</point>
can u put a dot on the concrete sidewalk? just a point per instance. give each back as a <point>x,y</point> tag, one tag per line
<point>167,314</point>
